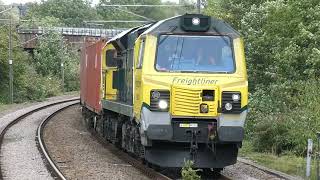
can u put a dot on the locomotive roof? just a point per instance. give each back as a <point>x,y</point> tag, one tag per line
<point>173,25</point>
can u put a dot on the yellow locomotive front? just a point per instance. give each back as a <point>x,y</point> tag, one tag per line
<point>190,92</point>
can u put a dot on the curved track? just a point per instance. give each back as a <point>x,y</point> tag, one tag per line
<point>43,149</point>
<point>54,170</point>
<point>20,118</point>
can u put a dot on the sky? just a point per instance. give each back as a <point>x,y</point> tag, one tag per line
<point>25,1</point>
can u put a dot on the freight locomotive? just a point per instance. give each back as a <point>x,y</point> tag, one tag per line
<point>169,91</point>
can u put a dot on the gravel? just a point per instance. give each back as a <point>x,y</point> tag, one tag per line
<point>78,154</point>
<point>20,158</point>
<point>242,171</point>
<point>247,170</point>
<point>7,118</point>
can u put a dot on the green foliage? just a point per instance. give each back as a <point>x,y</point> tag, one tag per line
<point>282,52</point>
<point>287,162</point>
<point>28,85</point>
<point>37,87</point>
<point>188,173</point>
<point>69,12</point>
<point>230,10</point>
<point>50,53</point>
<point>46,21</point>
<point>284,116</point>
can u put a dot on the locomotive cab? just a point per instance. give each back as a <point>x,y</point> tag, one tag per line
<point>182,84</point>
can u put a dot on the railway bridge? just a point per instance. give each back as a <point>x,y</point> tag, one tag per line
<point>73,36</point>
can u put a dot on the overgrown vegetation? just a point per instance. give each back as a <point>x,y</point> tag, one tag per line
<point>288,162</point>
<point>283,57</point>
<point>188,172</point>
<point>37,75</point>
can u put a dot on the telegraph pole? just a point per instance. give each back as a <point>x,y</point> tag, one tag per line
<point>62,65</point>
<point>10,62</point>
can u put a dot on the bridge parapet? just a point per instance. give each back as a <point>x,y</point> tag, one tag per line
<point>74,31</point>
<point>74,36</point>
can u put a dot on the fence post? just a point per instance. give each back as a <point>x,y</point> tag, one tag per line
<point>317,155</point>
<point>309,152</point>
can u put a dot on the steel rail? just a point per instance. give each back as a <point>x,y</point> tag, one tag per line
<point>276,173</point>
<point>23,116</point>
<point>51,165</point>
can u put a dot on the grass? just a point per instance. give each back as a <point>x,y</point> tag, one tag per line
<point>287,163</point>
<point>5,107</point>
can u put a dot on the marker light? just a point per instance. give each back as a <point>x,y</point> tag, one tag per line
<point>155,95</point>
<point>195,21</point>
<point>235,97</point>
<point>228,106</point>
<point>163,104</point>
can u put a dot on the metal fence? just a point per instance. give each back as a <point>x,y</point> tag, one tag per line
<point>74,31</point>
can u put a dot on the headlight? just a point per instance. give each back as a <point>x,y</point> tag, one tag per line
<point>195,21</point>
<point>163,104</point>
<point>228,106</point>
<point>159,100</point>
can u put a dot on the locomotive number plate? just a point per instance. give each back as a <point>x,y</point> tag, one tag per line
<point>191,125</point>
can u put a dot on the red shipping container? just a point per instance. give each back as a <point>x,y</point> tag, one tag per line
<point>90,75</point>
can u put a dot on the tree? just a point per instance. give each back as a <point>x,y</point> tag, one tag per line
<point>283,57</point>
<point>151,13</point>
<point>69,12</point>
<point>231,11</point>
<point>50,53</point>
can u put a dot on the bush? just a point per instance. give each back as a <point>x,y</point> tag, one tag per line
<point>33,86</point>
<point>50,53</point>
<point>282,117</point>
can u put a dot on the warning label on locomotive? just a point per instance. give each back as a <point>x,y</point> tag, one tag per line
<point>193,81</point>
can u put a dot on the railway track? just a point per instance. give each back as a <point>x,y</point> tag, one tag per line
<point>136,163</point>
<point>15,121</point>
<point>275,173</point>
<point>53,168</point>
<point>149,172</point>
